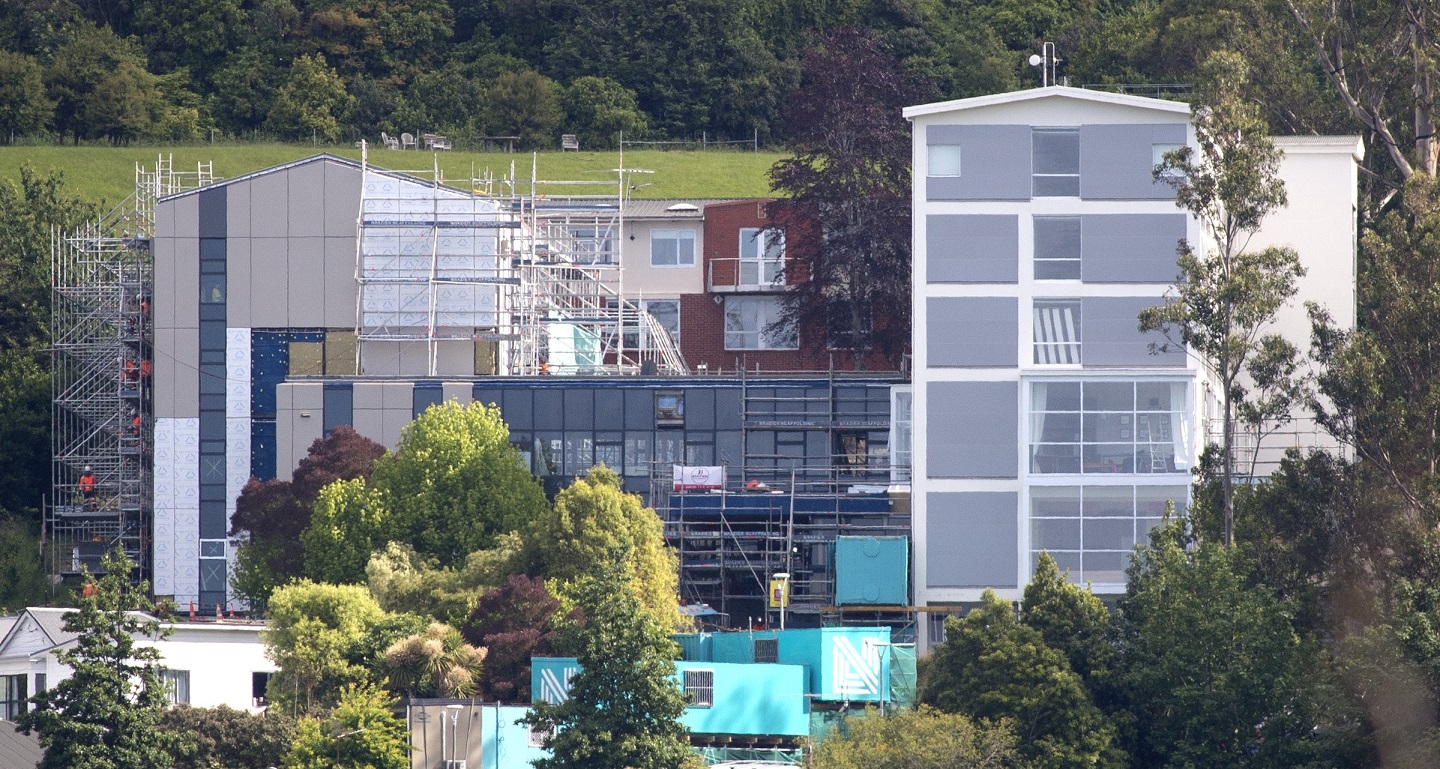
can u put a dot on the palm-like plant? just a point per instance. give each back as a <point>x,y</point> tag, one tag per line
<point>436,663</point>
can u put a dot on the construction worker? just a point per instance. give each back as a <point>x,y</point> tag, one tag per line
<point>87,488</point>
<point>130,371</point>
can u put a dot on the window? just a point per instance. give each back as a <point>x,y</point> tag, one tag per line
<point>700,687</point>
<point>944,160</point>
<point>40,684</point>
<point>762,257</point>
<point>212,289</point>
<point>672,248</point>
<point>1090,530</point>
<point>767,650</point>
<point>593,246</point>
<point>1107,427</point>
<point>536,737</point>
<point>666,312</point>
<point>1056,162</point>
<point>901,436</point>
<point>14,702</point>
<point>758,323</point>
<point>1157,156</point>
<point>669,408</point>
<point>259,683</point>
<point>177,686</point>
<point>1057,332</point>
<point>1057,247</point>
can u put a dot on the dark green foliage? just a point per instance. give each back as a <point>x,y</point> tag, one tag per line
<point>513,622</point>
<point>527,105</point>
<point>993,667</point>
<point>24,108</point>
<point>107,714</point>
<point>225,738</point>
<point>598,110</point>
<point>22,573</point>
<point>624,706</point>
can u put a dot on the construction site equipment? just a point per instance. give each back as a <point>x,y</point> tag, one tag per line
<point>101,398</point>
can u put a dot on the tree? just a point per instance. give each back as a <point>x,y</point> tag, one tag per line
<point>527,105</point>
<point>514,622</point>
<point>274,514</point>
<point>363,730</point>
<point>593,518</point>
<point>846,221</point>
<point>599,110</point>
<point>624,707</point>
<point>216,738</point>
<point>313,102</point>
<point>436,663</point>
<point>923,738</point>
<point>1213,668</point>
<point>314,629</point>
<point>100,86</point>
<point>1227,296</point>
<point>992,667</point>
<point>1072,620</point>
<point>107,713</point>
<point>452,486</point>
<point>22,574</point>
<point>24,108</point>
<point>402,579</point>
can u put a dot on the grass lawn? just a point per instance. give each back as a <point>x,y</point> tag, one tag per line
<point>108,173</point>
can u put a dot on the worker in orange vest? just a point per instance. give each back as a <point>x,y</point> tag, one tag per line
<point>87,488</point>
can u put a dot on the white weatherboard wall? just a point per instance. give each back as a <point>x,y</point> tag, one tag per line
<point>237,427</point>
<point>177,508</point>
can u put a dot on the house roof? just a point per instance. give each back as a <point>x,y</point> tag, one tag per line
<point>18,749</point>
<point>52,623</point>
<point>1049,92</point>
<point>670,208</point>
<point>323,157</point>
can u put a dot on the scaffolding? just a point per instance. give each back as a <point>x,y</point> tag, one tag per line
<point>778,513</point>
<point>528,271</point>
<point>101,360</point>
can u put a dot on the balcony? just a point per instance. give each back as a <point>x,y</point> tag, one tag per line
<point>732,275</point>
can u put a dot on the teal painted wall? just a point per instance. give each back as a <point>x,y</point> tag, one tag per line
<point>841,663</point>
<point>872,570</point>
<point>506,745</point>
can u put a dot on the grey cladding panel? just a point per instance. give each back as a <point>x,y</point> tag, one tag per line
<point>269,206</point>
<point>971,539</point>
<point>972,331</point>
<point>340,288</point>
<point>269,284</point>
<point>973,430</point>
<point>972,248</point>
<point>186,298</point>
<point>307,199</point>
<point>237,211</point>
<point>307,282</point>
<point>1110,334</point>
<point>237,282</point>
<point>994,163</point>
<point>1131,248</point>
<point>1117,161</point>
<point>186,211</point>
<point>342,200</point>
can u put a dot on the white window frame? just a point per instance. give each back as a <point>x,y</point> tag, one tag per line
<point>705,686</point>
<point>761,335</point>
<point>679,236</point>
<point>1057,328</point>
<point>1037,259</point>
<point>902,432</point>
<point>1179,424</point>
<point>1157,156</point>
<point>944,160</point>
<point>1036,175</point>
<point>761,257</point>
<point>177,686</point>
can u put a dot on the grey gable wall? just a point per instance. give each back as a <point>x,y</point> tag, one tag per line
<point>1130,248</point>
<point>971,539</point>
<point>976,248</point>
<point>973,430</point>
<point>994,163</point>
<point>1116,161</point>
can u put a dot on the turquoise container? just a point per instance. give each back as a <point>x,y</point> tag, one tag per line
<point>872,571</point>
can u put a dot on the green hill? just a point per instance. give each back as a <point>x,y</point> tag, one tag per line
<point>108,173</point>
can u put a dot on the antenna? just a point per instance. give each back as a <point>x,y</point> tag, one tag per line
<point>1047,61</point>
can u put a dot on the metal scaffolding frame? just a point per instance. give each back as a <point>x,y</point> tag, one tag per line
<point>530,269</point>
<point>101,284</point>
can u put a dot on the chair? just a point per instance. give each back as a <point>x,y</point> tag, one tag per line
<point>390,142</point>
<point>407,141</point>
<point>569,142</point>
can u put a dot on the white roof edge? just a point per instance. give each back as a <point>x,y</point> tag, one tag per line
<point>319,157</point>
<point>1306,145</point>
<point>1084,94</point>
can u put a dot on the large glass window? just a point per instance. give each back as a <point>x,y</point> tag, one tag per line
<point>1057,247</point>
<point>1109,427</point>
<point>1057,331</point>
<point>943,160</point>
<point>12,706</point>
<point>901,436</point>
<point>672,248</point>
<point>1090,530</point>
<point>762,257</point>
<point>758,323</point>
<point>1056,159</point>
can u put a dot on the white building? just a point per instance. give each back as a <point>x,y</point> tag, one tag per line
<point>1043,420</point>
<point>206,664</point>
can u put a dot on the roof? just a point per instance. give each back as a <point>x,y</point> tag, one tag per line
<point>322,157</point>
<point>52,623</point>
<point>18,749</point>
<point>672,208</point>
<point>1048,92</point>
<point>1317,145</point>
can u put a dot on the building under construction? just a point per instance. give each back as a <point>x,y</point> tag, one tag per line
<point>210,331</point>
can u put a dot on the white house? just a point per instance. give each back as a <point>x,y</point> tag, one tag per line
<point>207,664</point>
<point>1043,420</point>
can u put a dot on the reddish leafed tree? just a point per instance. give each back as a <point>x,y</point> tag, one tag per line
<point>275,513</point>
<point>846,214</point>
<point>515,622</point>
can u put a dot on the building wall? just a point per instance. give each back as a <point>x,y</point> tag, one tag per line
<point>643,280</point>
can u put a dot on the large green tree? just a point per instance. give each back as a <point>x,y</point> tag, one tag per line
<point>1225,301</point>
<point>107,713</point>
<point>223,737</point>
<point>24,108</point>
<point>313,102</point>
<point>624,706</point>
<point>313,636</point>
<point>361,731</point>
<point>527,105</point>
<point>993,667</point>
